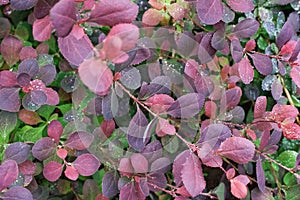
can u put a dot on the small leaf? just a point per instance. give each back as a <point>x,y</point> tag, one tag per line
<point>17,151</point>
<point>29,117</point>
<point>210,11</point>
<point>71,173</point>
<point>206,52</point>
<point>29,66</point>
<point>55,130</point>
<point>42,29</point>
<point>52,171</point>
<point>263,64</point>
<point>18,192</point>
<point>295,75</point>
<point>241,5</point>
<point>62,153</point>
<point>236,50</point>
<point>43,148</point>
<point>276,89</point>
<point>86,164</point>
<point>139,163</point>
<point>52,96</point>
<point>9,99</point>
<point>246,28</point>
<point>27,167</point>
<point>79,140</point>
<point>218,41</point>
<point>22,5</point>
<point>291,131</point>
<point>128,192</point>
<point>260,107</point>
<point>131,78</point>
<point>246,71</point>
<point>161,165</point>
<point>47,74</point>
<point>231,98</point>
<point>10,49</point>
<point>8,173</point>
<point>261,179</point>
<point>110,184</point>
<point>238,189</point>
<point>152,17</point>
<point>125,167</point>
<point>163,128</point>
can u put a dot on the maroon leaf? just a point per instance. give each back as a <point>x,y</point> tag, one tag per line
<point>79,140</point>
<point>152,17</point>
<point>27,167</point>
<point>125,167</point>
<point>55,129</point>
<point>42,29</point>
<point>230,173</point>
<point>250,45</point>
<point>231,98</point>
<point>236,50</point>
<point>10,49</point>
<point>86,164</point>
<point>260,107</point>
<point>43,148</point>
<point>43,7</point>
<point>192,175</point>
<point>17,151</point>
<point>71,173</point>
<point>261,179</point>
<point>176,10</point>
<point>246,71</point>
<point>110,184</point>
<point>8,78</point>
<point>96,76</point>
<point>246,28</point>
<point>139,163</point>
<point>4,27</point>
<point>9,99</point>
<point>17,192</point>
<point>128,192</point>
<point>4,2</point>
<point>52,171</point>
<point>8,173</point>
<point>178,166</point>
<point>22,5</point>
<point>210,11</point>
<point>108,127</point>
<point>241,5</point>
<point>262,63</point>
<point>52,96</point>
<point>238,149</point>
<point>206,52</point>
<point>187,106</point>
<point>286,33</point>
<point>295,75</point>
<point>63,17</point>
<point>28,52</point>
<point>112,12</point>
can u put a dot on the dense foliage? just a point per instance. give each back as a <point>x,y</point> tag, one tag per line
<point>158,99</point>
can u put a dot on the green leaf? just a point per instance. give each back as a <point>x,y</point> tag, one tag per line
<point>292,193</point>
<point>289,179</point>
<point>65,108</point>
<point>220,191</point>
<point>30,134</point>
<point>46,111</point>
<point>170,143</point>
<point>8,122</point>
<point>23,31</point>
<point>288,158</point>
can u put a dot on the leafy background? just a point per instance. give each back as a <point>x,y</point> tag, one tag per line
<point>158,99</point>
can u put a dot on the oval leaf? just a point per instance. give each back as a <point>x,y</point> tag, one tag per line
<point>18,192</point>
<point>210,11</point>
<point>43,148</point>
<point>52,171</point>
<point>241,5</point>
<point>8,173</point>
<point>10,49</point>
<point>86,164</point>
<point>17,151</point>
<point>246,71</point>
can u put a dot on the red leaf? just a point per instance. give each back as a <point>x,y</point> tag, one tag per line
<point>159,103</point>
<point>29,117</point>
<point>210,11</point>
<point>163,128</point>
<point>245,70</point>
<point>10,49</point>
<point>96,76</point>
<point>27,167</point>
<point>231,98</point>
<point>8,173</point>
<point>250,45</point>
<point>291,131</point>
<point>42,29</point>
<point>55,129</point>
<point>238,189</point>
<point>86,164</point>
<point>246,28</point>
<point>71,173</point>
<point>192,68</point>
<point>281,113</point>
<point>52,171</point>
<point>62,153</point>
<point>108,127</point>
<point>210,108</point>
<point>79,140</point>
<point>152,17</point>
<point>263,64</point>
<point>192,175</point>
<point>238,149</point>
<point>260,107</point>
<point>241,5</point>
<point>295,75</point>
<point>112,12</point>
<point>139,163</point>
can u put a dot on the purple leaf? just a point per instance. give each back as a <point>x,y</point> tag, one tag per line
<point>17,192</point>
<point>178,166</point>
<point>187,106</point>
<point>231,98</point>
<point>294,55</point>
<point>241,5</point>
<point>256,194</point>
<point>238,149</point>
<point>23,80</point>
<point>192,175</point>
<point>206,52</point>
<point>4,27</point>
<point>125,167</point>
<point>22,5</point>
<point>131,78</point>
<point>29,66</point>
<point>157,179</point>
<point>86,164</point>
<point>110,184</point>
<point>246,71</point>
<point>128,192</point>
<point>27,167</point>
<point>153,151</point>
<point>246,28</point>
<point>8,78</point>
<point>52,96</point>
<point>218,40</point>
<point>43,7</point>
<point>55,130</point>
<point>236,50</point>
<point>276,89</point>
<point>63,17</point>
<point>10,49</point>
<point>9,99</point>
<point>112,12</point>
<point>286,33</point>
<point>4,2</point>
<point>210,11</point>
<point>139,163</point>
<point>17,151</point>
<point>79,140</point>
<point>42,29</point>
<point>8,173</point>
<point>43,148</point>
<point>96,76</point>
<point>261,179</point>
<point>262,63</point>
<point>160,166</point>
<point>38,97</point>
<point>52,171</point>
<point>159,85</point>
<point>136,131</point>
<point>275,138</point>
<point>47,74</point>
<point>295,75</point>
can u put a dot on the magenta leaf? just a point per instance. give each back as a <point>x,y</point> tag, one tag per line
<point>295,53</point>
<point>110,184</point>
<point>4,27</point>
<point>71,173</point>
<point>86,164</point>
<point>206,52</point>
<point>52,171</point>
<point>125,167</point>
<point>136,133</point>
<point>22,5</point>
<point>27,52</point>
<point>43,7</point>
<point>192,175</point>
<point>210,11</point>
<point>8,173</point>
<point>246,71</point>
<point>236,50</point>
<point>246,28</point>
<point>260,107</point>
<point>9,99</point>
<point>276,89</point>
<point>261,179</point>
<point>8,78</point>
<point>17,192</point>
<point>295,75</point>
<point>139,163</point>
<point>112,12</point>
<point>161,165</point>
<point>43,148</point>
<point>178,166</point>
<point>128,192</point>
<point>238,149</point>
<point>10,49</point>
<point>29,66</point>
<point>47,74</point>
<point>231,98</point>
<point>42,29</point>
<point>238,189</point>
<point>263,64</point>
<point>241,5</point>
<point>63,17</point>
<point>284,112</point>
<point>286,33</point>
<point>52,96</point>
<point>79,140</point>
<point>17,151</point>
<point>27,167</point>
<point>187,106</point>
<point>55,129</point>
<point>96,76</point>
<point>4,2</point>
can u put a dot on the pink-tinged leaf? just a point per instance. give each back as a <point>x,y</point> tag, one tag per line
<point>236,50</point>
<point>260,175</point>
<point>206,52</point>
<point>27,167</point>
<point>264,140</point>
<point>43,7</point>
<point>8,78</point>
<point>276,89</point>
<point>281,2</point>
<point>152,17</point>
<point>52,171</point>
<point>8,173</point>
<point>125,167</point>
<point>27,53</point>
<point>71,173</point>
<point>210,108</point>
<point>139,163</point>
<point>42,29</point>
<point>108,127</point>
<point>62,153</point>
<point>241,5</point>
<point>86,164</point>
<point>178,166</point>
<point>191,68</point>
<point>17,151</point>
<point>29,66</point>
<point>295,53</point>
<point>79,140</point>
<point>250,45</point>
<point>295,75</point>
<point>157,179</point>
<point>9,99</point>
<point>284,112</point>
<point>29,117</point>
<point>238,149</point>
<point>55,129</point>
<point>192,175</point>
<point>218,41</point>
<point>63,17</point>
<point>43,148</point>
<point>157,4</point>
<point>128,192</point>
<point>176,10</point>
<point>187,106</point>
<point>246,71</point>
<point>17,192</point>
<point>230,173</point>
<point>208,157</point>
<point>246,28</point>
<point>163,128</point>
<point>231,98</point>
<point>238,189</point>
<point>263,64</point>
<point>161,165</point>
<point>96,76</point>
<point>136,133</point>
<point>4,27</point>
<point>10,49</point>
<point>112,12</point>
<point>210,11</point>
<point>110,184</point>
<point>260,107</point>
<point>52,96</point>
<point>159,103</point>
<point>291,131</point>
<point>4,2</point>
<point>286,33</point>
<point>74,48</point>
<point>22,5</point>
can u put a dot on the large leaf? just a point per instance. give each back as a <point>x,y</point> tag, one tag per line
<point>246,28</point>
<point>206,52</point>
<point>210,11</point>
<point>96,75</point>
<point>131,78</point>
<point>139,163</point>
<point>17,192</point>
<point>112,12</point>
<point>43,148</point>
<point>17,151</point>
<point>286,33</point>
<point>178,166</point>
<point>8,173</point>
<point>86,164</point>
<point>8,78</point>
<point>9,99</point>
<point>43,7</point>
<point>10,49</point>
<point>29,66</point>
<point>246,71</point>
<point>241,5</point>
<point>22,5</point>
<point>110,184</point>
<point>52,171</point>
<point>262,63</point>
<point>42,29</point>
